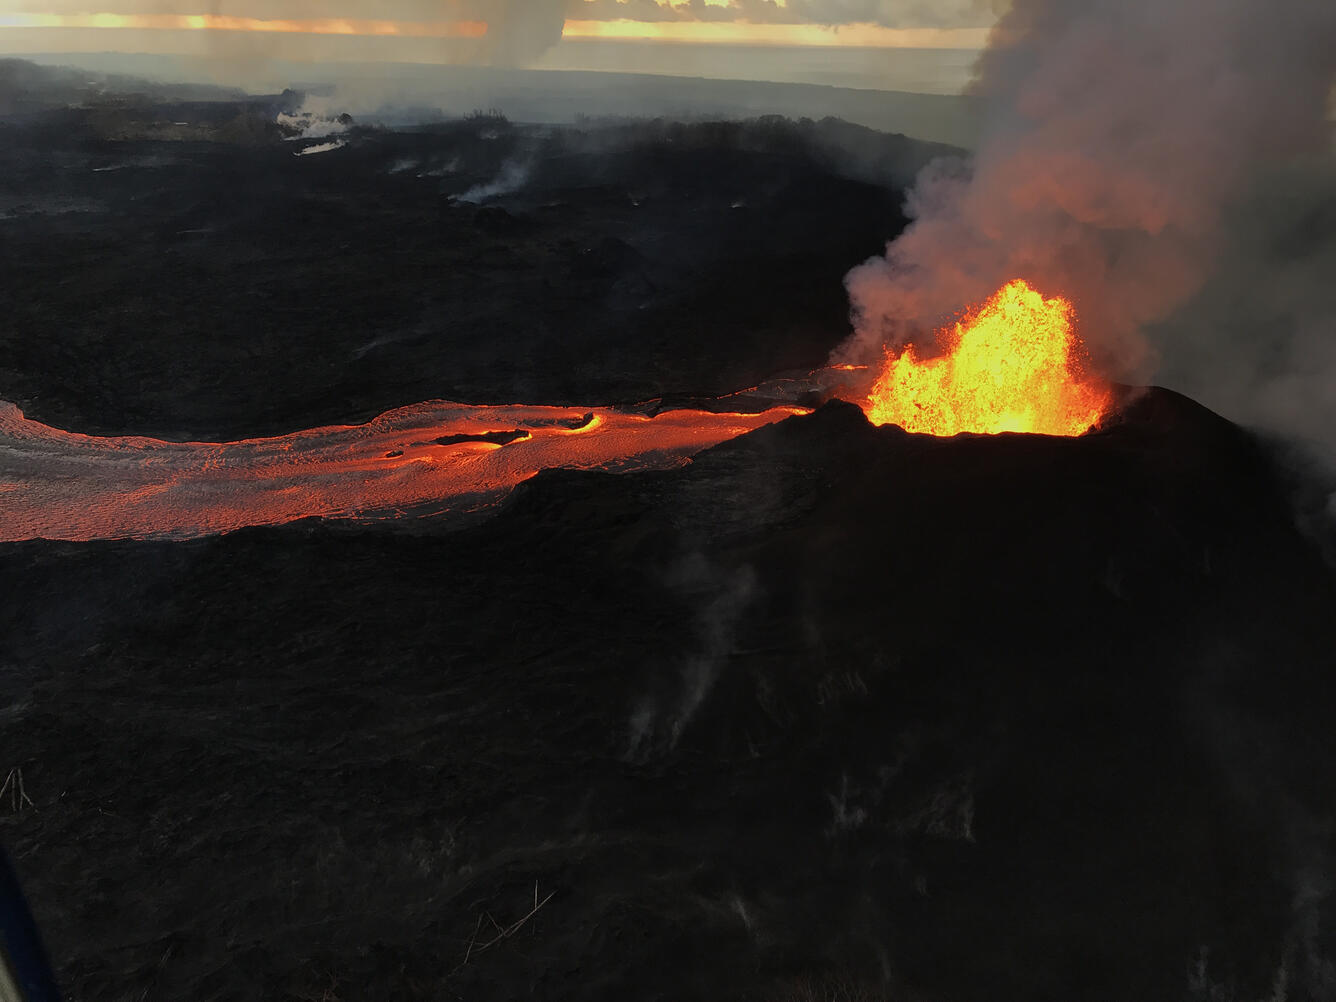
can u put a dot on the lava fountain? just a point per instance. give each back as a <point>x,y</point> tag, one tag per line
<point>1010,365</point>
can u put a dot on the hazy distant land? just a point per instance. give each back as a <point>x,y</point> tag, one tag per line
<point>557,95</point>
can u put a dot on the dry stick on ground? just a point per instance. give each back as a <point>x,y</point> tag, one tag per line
<point>502,932</point>
<point>472,939</point>
<point>18,796</point>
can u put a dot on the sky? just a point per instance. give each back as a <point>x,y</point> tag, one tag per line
<point>670,36</point>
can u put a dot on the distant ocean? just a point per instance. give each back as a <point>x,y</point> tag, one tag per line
<point>920,71</point>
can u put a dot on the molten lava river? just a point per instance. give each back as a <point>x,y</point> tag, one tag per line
<point>427,458</point>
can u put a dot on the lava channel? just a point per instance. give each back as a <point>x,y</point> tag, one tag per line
<point>434,457</point>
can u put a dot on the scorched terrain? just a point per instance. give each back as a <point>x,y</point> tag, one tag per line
<point>831,711</point>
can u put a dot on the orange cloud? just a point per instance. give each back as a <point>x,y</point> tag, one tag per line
<point>745,33</point>
<point>222,22</point>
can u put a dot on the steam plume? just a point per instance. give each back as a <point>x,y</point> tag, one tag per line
<point>519,31</point>
<point>1119,133</point>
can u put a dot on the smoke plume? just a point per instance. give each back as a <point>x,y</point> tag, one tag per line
<point>519,31</point>
<point>1119,135</point>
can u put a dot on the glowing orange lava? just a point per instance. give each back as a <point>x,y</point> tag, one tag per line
<point>858,34</point>
<point>1008,367</point>
<point>430,458</point>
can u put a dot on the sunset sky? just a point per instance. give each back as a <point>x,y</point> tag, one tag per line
<point>502,32</point>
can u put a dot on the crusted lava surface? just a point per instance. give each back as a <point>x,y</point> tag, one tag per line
<point>832,708</point>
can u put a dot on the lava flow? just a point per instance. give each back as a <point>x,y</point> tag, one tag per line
<point>1008,367</point>
<point>428,458</point>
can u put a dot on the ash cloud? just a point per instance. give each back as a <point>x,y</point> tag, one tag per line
<point>1120,135</point>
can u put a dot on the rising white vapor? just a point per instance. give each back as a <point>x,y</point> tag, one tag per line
<point>1120,134</point>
